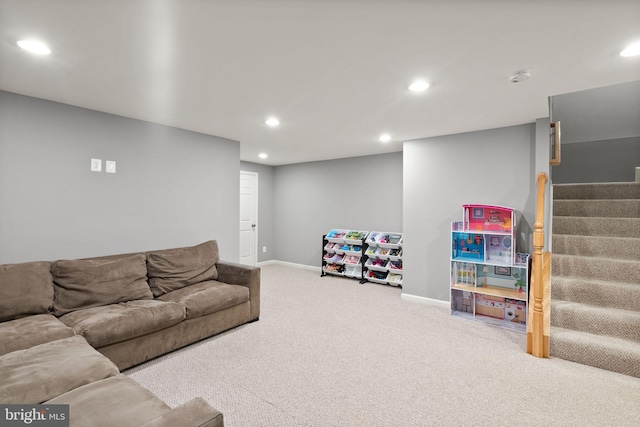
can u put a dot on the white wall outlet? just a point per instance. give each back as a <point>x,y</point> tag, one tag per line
<point>96,165</point>
<point>264,249</point>
<point>110,166</point>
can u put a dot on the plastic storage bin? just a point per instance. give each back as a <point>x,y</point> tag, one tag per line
<point>376,264</point>
<point>355,237</point>
<point>336,235</point>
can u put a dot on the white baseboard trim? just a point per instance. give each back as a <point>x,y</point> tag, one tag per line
<point>263,263</point>
<point>408,297</point>
<point>291,264</point>
<point>425,300</point>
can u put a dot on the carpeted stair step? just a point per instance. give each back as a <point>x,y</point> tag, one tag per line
<point>597,246</point>
<point>595,275</point>
<point>624,324</point>
<point>625,208</point>
<point>611,227</point>
<point>608,353</point>
<point>607,190</point>
<point>626,271</point>
<point>624,296</point>
<point>613,322</point>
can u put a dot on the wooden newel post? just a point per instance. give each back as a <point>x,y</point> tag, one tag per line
<point>537,342</point>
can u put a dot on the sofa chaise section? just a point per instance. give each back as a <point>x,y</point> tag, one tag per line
<point>37,374</point>
<point>26,332</point>
<point>120,401</point>
<point>70,371</point>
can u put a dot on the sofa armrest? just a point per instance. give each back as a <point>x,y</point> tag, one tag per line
<point>239,274</point>
<point>195,413</point>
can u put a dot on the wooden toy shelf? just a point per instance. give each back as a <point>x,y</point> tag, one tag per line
<point>492,290</point>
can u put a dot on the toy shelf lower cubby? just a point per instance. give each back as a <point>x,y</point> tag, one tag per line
<point>342,253</point>
<point>489,279</point>
<point>383,258</point>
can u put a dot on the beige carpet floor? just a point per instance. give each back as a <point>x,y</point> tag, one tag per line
<point>330,351</point>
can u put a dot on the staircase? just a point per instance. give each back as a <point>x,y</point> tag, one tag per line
<point>595,275</point>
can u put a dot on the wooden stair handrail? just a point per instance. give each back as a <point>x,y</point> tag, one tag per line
<point>555,158</point>
<point>538,330</point>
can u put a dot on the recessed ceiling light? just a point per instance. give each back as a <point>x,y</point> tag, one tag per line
<point>632,50</point>
<point>272,121</point>
<point>418,86</point>
<point>385,137</point>
<point>263,155</point>
<point>34,46</point>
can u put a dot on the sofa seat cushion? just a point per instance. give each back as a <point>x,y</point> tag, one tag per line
<point>119,322</point>
<point>116,401</point>
<point>30,331</point>
<point>95,282</point>
<point>42,372</point>
<point>25,289</point>
<point>208,297</point>
<point>172,269</point>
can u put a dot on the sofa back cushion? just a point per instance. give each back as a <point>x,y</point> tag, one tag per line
<point>172,269</point>
<point>25,289</point>
<point>95,282</point>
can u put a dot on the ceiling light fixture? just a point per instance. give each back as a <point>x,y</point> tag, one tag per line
<point>385,137</point>
<point>631,50</point>
<point>272,121</point>
<point>418,86</point>
<point>263,155</point>
<point>34,46</point>
<point>519,76</point>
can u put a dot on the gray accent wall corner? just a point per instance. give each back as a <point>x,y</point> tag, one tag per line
<point>358,193</point>
<point>613,160</point>
<point>440,175</point>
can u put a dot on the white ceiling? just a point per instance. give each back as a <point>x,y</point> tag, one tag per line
<point>334,72</point>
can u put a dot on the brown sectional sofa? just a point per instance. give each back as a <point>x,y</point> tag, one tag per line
<point>68,327</point>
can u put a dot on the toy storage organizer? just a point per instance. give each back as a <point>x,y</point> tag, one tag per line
<point>383,258</point>
<point>342,253</point>
<point>368,256</point>
<point>489,278</point>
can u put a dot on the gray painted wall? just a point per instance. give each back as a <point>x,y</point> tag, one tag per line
<point>265,207</point>
<point>172,187</point>
<point>541,164</point>
<point>612,160</point>
<point>599,114</point>
<point>363,193</point>
<point>440,174</point>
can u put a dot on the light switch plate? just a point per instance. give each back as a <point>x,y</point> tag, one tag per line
<point>110,166</point>
<point>96,165</point>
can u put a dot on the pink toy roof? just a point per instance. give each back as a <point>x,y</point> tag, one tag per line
<point>488,207</point>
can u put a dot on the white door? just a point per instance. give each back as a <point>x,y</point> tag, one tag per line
<point>248,217</point>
